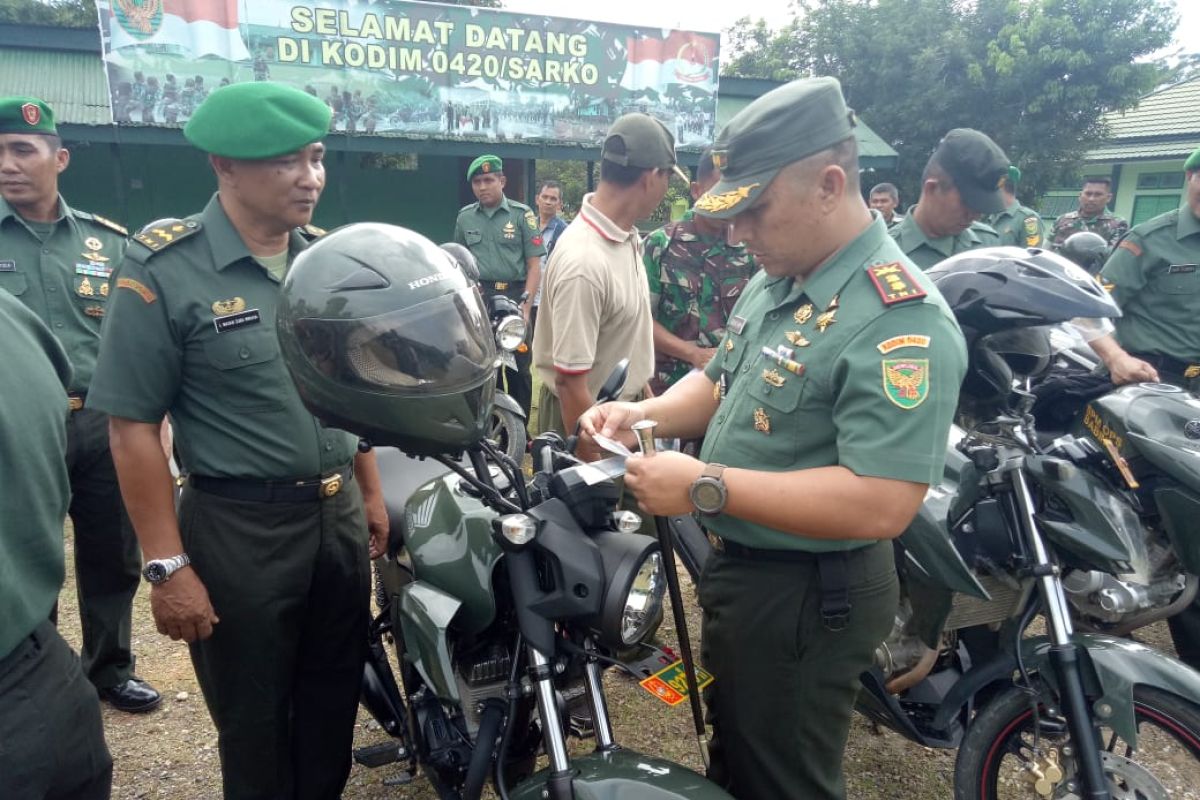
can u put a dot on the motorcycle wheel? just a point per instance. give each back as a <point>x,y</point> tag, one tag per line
<point>507,431</point>
<point>992,757</point>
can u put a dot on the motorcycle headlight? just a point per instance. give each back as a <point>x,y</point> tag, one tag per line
<point>644,601</point>
<point>633,598</point>
<point>510,332</point>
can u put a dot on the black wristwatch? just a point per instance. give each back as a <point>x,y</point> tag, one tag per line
<point>160,569</point>
<point>708,493</point>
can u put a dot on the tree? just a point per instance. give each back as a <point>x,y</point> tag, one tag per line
<point>1036,75</point>
<point>59,13</point>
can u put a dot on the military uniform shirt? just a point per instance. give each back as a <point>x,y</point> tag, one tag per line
<point>1155,278</point>
<point>695,280</point>
<point>876,393</point>
<point>1110,227</point>
<point>33,446</point>
<point>192,332</point>
<point>926,252</point>
<point>66,279</point>
<point>501,238</point>
<point>1018,226</point>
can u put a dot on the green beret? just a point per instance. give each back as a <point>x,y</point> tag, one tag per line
<point>1014,174</point>
<point>26,115</point>
<point>785,125</point>
<point>977,166</point>
<point>485,164</point>
<point>1193,161</point>
<point>258,119</point>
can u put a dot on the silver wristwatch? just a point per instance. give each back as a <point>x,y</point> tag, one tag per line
<point>160,569</point>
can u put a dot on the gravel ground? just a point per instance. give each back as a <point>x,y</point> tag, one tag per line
<point>171,752</point>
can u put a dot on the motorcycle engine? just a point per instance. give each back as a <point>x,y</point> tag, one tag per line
<point>479,678</point>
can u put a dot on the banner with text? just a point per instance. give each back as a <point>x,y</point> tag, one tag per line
<point>411,68</point>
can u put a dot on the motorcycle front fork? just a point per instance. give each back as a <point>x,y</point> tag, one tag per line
<point>1064,653</point>
<point>554,734</point>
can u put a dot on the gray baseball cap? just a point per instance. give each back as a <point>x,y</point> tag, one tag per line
<point>639,140</point>
<point>783,126</point>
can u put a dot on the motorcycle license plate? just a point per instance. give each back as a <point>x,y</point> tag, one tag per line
<point>669,684</point>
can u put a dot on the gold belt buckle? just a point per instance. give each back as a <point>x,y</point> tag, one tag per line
<point>1192,371</point>
<point>501,286</point>
<point>74,403</point>
<point>331,485</point>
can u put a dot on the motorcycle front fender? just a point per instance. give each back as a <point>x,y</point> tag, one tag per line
<point>1112,667</point>
<point>508,404</point>
<point>424,616</point>
<point>619,774</point>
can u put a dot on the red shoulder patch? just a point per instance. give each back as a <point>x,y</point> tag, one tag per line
<point>1131,247</point>
<point>894,283</point>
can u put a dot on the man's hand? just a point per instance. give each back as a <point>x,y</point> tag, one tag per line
<point>1124,368</point>
<point>701,356</point>
<point>181,607</point>
<point>526,310</point>
<point>377,525</point>
<point>610,419</point>
<point>661,482</point>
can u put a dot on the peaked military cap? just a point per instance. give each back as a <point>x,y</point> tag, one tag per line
<point>258,119</point>
<point>26,115</point>
<point>786,124</point>
<point>485,164</point>
<point>977,166</point>
<point>1193,161</point>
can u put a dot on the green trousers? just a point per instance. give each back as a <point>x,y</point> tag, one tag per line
<point>107,559</point>
<point>785,685</point>
<point>282,672</point>
<point>51,737</point>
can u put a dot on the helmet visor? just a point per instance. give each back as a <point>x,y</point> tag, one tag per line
<point>435,347</point>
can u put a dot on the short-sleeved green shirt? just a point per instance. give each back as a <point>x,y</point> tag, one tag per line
<point>33,446</point>
<point>925,252</point>
<point>1018,226</point>
<point>1110,226</point>
<point>878,387</point>
<point>191,331</point>
<point>64,275</point>
<point>1154,275</point>
<point>501,238</point>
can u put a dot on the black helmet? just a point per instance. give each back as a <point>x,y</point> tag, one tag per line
<point>1088,250</point>
<point>999,288</point>
<point>385,337</point>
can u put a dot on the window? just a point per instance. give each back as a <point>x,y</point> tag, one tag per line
<point>1160,180</point>
<point>1146,206</point>
<point>1054,206</point>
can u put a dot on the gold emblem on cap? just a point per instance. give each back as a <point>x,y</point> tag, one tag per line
<point>92,243</point>
<point>774,378</point>
<point>726,200</point>
<point>825,320</point>
<point>803,314</point>
<point>85,288</point>
<point>1193,371</point>
<point>762,423</point>
<point>720,159</point>
<point>796,339</point>
<point>230,306</point>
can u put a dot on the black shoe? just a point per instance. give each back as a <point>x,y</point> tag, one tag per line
<point>134,696</point>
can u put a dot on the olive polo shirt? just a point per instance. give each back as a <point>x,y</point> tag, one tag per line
<point>35,488</point>
<point>925,252</point>
<point>192,332</point>
<point>1154,275</point>
<point>501,238</point>
<point>878,361</point>
<point>64,276</point>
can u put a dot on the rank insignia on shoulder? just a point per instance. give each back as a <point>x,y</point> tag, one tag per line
<point>894,283</point>
<point>158,235</point>
<point>903,340</point>
<point>231,306</point>
<point>108,223</point>
<point>137,286</point>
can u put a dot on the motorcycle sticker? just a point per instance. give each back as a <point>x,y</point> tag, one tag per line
<point>669,684</point>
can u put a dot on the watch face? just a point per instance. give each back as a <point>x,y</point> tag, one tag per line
<point>707,495</point>
<point>155,572</point>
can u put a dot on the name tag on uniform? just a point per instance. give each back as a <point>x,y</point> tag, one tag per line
<point>231,322</point>
<point>1181,269</point>
<point>8,266</point>
<point>736,324</point>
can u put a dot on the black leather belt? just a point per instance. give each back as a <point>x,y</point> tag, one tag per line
<point>502,287</point>
<point>831,570</point>
<point>1168,364</point>
<point>260,491</point>
<point>75,400</point>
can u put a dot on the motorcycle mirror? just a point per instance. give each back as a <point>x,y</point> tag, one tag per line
<point>612,387</point>
<point>465,260</point>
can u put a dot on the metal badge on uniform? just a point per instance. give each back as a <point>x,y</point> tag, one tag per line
<point>1181,269</point>
<point>231,306</point>
<point>93,270</point>
<point>104,289</point>
<point>736,324</point>
<point>242,319</point>
<point>84,289</point>
<point>825,320</point>
<point>803,314</point>
<point>92,243</point>
<point>797,339</point>
<point>762,422</point>
<point>8,266</point>
<point>774,378</point>
<point>510,231</point>
<point>94,311</point>
<point>729,345</point>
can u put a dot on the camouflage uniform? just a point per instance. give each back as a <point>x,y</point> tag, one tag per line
<point>1111,227</point>
<point>695,280</point>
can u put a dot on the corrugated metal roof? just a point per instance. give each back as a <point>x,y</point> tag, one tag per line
<point>71,83</point>
<point>1168,111</point>
<point>1128,151</point>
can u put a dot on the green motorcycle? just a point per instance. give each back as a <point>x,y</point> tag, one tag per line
<point>504,599</point>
